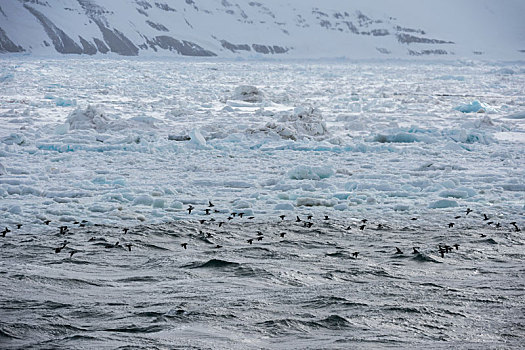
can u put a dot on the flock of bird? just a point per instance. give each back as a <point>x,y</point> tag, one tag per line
<point>306,222</point>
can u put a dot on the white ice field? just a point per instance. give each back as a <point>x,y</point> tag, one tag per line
<point>106,141</point>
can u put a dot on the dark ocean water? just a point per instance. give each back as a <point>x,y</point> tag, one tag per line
<point>305,290</point>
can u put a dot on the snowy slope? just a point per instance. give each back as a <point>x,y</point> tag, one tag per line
<point>295,29</point>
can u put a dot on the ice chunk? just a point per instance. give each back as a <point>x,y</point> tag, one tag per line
<point>242,204</point>
<point>98,208</point>
<point>302,172</point>
<point>158,203</point>
<point>514,187</point>
<point>284,206</point>
<point>341,207</point>
<point>519,115</point>
<point>90,118</point>
<point>473,107</point>
<point>197,140</point>
<point>14,139</point>
<point>63,102</point>
<point>314,202</point>
<point>454,194</point>
<point>143,200</point>
<point>176,205</point>
<point>15,209</point>
<point>401,207</point>
<point>237,184</point>
<point>443,203</point>
<point>247,93</point>
<point>304,123</point>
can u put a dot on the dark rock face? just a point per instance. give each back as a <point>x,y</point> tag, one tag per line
<point>117,41</point>
<point>408,39</point>
<point>267,49</point>
<point>185,48</point>
<point>88,48</point>
<point>62,42</point>
<point>101,47</point>
<point>234,47</point>
<point>6,45</point>
<point>427,52</point>
<point>157,26</point>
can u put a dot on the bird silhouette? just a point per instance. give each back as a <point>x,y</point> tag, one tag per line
<point>184,245</point>
<point>450,225</point>
<point>5,231</point>
<point>250,240</point>
<point>362,227</point>
<point>190,208</point>
<point>398,251</point>
<point>468,211</point>
<point>210,204</point>
<point>59,249</point>
<point>516,228</point>
<point>355,254</point>
<point>282,217</point>
<point>129,246</point>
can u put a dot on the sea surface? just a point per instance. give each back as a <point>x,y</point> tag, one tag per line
<point>305,290</point>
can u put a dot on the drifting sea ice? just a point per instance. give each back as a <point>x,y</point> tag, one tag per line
<point>131,150</point>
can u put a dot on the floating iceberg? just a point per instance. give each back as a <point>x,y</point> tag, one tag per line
<point>473,107</point>
<point>304,172</point>
<point>443,203</point>
<point>303,123</point>
<point>90,118</point>
<point>248,93</point>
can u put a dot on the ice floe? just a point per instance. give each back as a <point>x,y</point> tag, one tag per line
<point>248,93</point>
<point>143,151</point>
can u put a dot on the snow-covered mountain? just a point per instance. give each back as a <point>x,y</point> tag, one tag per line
<point>491,29</point>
